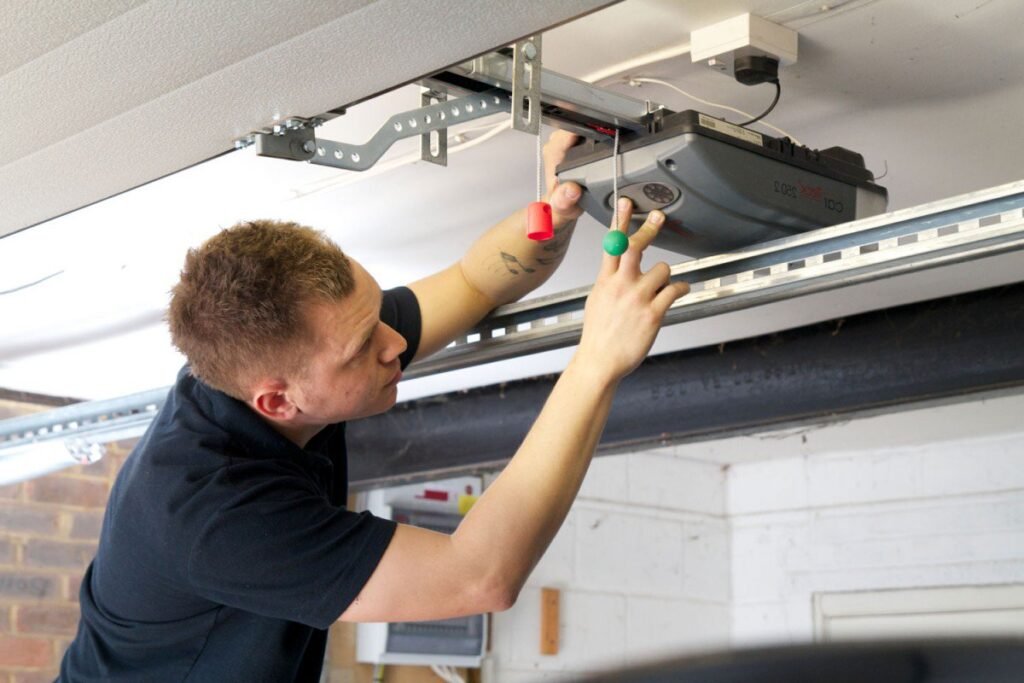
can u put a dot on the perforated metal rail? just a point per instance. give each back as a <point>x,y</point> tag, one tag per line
<point>965,228</point>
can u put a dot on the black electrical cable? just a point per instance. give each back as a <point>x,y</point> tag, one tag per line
<point>778,92</point>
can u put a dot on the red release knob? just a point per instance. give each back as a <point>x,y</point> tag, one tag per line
<point>538,222</point>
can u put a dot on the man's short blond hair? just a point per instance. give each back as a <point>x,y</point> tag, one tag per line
<point>238,311</point>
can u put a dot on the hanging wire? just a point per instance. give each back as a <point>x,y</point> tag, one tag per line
<point>778,91</point>
<point>679,90</point>
<point>615,181</point>
<point>540,168</point>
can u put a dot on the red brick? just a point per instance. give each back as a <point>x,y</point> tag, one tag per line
<point>44,676</point>
<point>46,619</point>
<point>87,525</point>
<point>74,585</point>
<point>38,676</point>
<point>10,491</point>
<point>20,585</point>
<point>43,553</point>
<point>21,518</point>
<point>69,491</point>
<point>5,620</point>
<point>18,651</point>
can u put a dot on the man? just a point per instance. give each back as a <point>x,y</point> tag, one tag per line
<point>226,550</point>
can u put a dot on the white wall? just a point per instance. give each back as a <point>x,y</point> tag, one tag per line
<point>944,513</point>
<point>725,542</point>
<point>642,565</point>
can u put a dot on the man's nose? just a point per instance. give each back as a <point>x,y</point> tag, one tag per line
<point>394,344</point>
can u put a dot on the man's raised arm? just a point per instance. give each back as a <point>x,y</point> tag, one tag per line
<point>502,266</point>
<point>483,565</point>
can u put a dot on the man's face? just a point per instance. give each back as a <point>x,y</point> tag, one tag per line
<point>353,368</point>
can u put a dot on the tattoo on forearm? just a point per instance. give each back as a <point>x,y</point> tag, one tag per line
<point>556,247</point>
<point>509,260</point>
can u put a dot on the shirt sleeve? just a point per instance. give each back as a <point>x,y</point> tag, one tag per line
<point>401,311</point>
<point>277,548</point>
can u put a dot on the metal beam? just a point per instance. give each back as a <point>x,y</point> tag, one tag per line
<point>901,356</point>
<point>973,226</point>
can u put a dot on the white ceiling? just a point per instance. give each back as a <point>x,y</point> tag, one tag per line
<point>930,90</point>
<point>102,97</point>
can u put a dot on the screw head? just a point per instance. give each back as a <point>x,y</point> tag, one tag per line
<point>309,146</point>
<point>530,50</point>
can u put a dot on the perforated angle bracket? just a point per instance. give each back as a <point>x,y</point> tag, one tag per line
<point>298,141</point>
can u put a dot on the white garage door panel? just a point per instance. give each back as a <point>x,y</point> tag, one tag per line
<point>1001,623</point>
<point>941,611</point>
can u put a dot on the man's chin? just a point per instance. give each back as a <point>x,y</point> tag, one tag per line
<point>386,403</point>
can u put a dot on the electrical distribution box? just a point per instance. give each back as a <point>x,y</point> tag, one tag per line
<point>459,642</point>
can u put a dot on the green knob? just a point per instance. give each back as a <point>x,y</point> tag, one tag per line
<point>615,243</point>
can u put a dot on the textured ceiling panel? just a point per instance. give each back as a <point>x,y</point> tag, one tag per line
<point>139,57</point>
<point>168,84</point>
<point>32,28</point>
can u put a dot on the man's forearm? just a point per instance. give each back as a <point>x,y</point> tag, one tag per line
<point>504,265</point>
<point>509,528</point>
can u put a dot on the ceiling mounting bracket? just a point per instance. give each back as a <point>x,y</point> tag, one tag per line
<point>434,143</point>
<point>295,139</point>
<point>526,76</point>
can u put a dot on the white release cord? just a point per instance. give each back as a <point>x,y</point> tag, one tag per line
<point>615,182</point>
<point>540,166</point>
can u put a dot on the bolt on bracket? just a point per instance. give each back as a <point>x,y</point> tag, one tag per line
<point>434,143</point>
<point>526,75</point>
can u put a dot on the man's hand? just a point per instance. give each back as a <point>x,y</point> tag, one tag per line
<point>502,266</point>
<point>561,197</point>
<point>626,306</point>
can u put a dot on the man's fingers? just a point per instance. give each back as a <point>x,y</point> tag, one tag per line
<point>646,233</point>
<point>656,278</point>
<point>668,296</point>
<point>642,238</point>
<point>554,153</point>
<point>564,202</point>
<point>625,211</point>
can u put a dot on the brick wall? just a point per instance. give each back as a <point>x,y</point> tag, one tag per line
<point>49,527</point>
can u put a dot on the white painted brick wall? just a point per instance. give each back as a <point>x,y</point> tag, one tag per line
<point>941,512</point>
<point>642,563</point>
<point>669,550</point>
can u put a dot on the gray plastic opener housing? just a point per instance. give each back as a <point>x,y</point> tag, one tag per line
<point>721,186</point>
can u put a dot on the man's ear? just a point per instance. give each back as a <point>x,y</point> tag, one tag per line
<point>271,399</point>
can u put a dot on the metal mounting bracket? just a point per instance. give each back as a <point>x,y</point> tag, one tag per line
<point>526,68</point>
<point>299,143</point>
<point>434,143</point>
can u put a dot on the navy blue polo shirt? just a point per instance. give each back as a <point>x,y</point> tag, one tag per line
<point>226,550</point>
